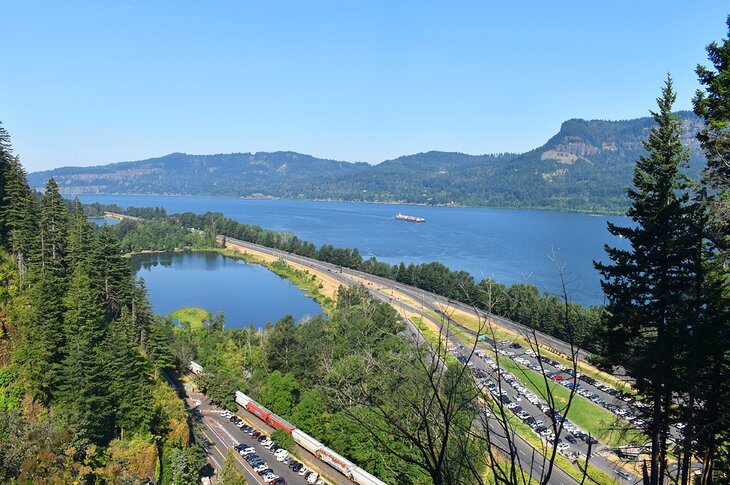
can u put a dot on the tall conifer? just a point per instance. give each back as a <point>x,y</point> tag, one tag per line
<point>646,285</point>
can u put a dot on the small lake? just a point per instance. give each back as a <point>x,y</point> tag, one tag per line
<point>247,293</point>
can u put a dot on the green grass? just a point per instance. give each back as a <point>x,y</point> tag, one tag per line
<point>192,316</point>
<point>585,414</point>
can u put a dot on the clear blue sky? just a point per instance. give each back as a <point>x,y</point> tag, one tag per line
<point>103,81</point>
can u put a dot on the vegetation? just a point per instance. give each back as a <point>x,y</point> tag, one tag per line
<point>80,395</point>
<point>667,319</point>
<point>585,167</point>
<point>193,317</point>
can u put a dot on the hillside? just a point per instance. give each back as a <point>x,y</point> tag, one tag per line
<point>586,166</point>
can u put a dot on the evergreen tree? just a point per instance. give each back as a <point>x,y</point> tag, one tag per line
<point>19,214</point>
<point>6,157</point>
<point>158,347</point>
<point>112,272</point>
<point>53,229</point>
<point>80,237</point>
<point>84,387</point>
<point>646,285</point>
<point>708,422</point>
<point>129,384</point>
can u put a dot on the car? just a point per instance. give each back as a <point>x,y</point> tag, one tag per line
<point>623,474</point>
<point>278,481</point>
<point>270,477</point>
<point>297,467</point>
<point>240,446</point>
<point>255,435</point>
<point>265,471</point>
<point>303,470</point>
<point>570,439</point>
<point>274,448</point>
<point>293,463</point>
<point>313,478</point>
<point>260,467</point>
<point>563,446</point>
<point>262,438</point>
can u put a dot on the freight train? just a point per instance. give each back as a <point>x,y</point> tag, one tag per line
<point>327,455</point>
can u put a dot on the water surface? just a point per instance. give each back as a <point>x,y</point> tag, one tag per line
<point>247,293</point>
<point>511,246</point>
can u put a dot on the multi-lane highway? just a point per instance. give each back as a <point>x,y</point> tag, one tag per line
<point>383,289</point>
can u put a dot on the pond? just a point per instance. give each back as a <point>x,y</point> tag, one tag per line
<point>247,293</point>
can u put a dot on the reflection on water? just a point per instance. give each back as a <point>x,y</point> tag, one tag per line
<point>246,293</point>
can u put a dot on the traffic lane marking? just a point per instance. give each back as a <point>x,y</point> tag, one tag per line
<point>255,478</point>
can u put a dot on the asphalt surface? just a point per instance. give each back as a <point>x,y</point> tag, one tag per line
<point>222,435</point>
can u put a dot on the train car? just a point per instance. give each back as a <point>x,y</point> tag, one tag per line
<point>242,399</point>
<point>195,368</point>
<point>336,461</point>
<point>307,442</point>
<point>258,410</point>
<point>364,478</point>
<point>277,422</point>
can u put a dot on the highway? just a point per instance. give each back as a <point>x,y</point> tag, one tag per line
<point>379,288</point>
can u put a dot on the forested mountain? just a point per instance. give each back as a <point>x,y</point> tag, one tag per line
<point>586,166</point>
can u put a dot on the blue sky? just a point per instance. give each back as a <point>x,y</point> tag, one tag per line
<point>103,81</point>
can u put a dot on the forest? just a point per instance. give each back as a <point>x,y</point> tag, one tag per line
<point>82,398</point>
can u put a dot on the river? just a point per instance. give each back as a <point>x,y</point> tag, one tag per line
<point>247,293</point>
<point>511,246</point>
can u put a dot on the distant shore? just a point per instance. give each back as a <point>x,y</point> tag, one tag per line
<point>459,205</point>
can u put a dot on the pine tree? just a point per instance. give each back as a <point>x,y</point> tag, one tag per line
<point>112,272</point>
<point>129,384</point>
<point>6,157</point>
<point>709,421</point>
<point>19,215</point>
<point>84,385</point>
<point>158,347</point>
<point>53,229</point>
<point>646,285</point>
<point>713,105</point>
<point>80,237</point>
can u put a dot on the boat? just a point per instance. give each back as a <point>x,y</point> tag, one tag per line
<point>403,217</point>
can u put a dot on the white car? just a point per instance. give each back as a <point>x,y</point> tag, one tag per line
<point>261,467</point>
<point>313,478</point>
<point>303,470</point>
<point>270,477</point>
<point>282,457</point>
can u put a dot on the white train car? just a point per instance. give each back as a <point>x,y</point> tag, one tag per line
<point>336,461</point>
<point>195,368</point>
<point>242,399</point>
<point>307,442</point>
<point>364,478</point>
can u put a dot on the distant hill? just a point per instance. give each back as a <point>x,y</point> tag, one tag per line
<point>586,166</point>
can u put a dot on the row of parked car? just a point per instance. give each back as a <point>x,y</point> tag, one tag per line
<point>259,465</point>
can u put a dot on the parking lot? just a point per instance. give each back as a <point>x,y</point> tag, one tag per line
<point>254,453</point>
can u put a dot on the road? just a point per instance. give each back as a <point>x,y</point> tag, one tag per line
<point>378,290</point>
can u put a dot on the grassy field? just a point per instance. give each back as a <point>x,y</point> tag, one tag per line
<point>192,316</point>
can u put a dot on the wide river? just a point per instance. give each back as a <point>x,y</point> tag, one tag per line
<point>511,246</point>
<point>247,293</point>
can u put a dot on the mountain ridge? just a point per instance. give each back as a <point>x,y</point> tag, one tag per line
<point>586,166</point>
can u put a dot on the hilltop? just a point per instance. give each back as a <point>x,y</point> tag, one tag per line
<point>586,166</point>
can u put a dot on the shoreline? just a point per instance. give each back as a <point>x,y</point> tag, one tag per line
<point>456,205</point>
